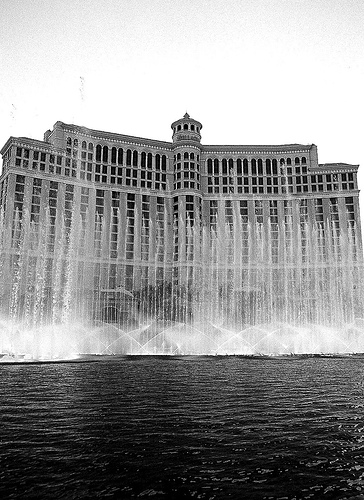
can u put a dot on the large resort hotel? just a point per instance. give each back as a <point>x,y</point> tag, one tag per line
<point>132,212</point>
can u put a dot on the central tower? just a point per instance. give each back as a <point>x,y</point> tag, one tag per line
<point>186,129</point>
<point>187,195</point>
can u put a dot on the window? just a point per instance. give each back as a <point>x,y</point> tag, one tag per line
<point>245,167</point>
<point>128,157</point>
<point>149,161</point>
<point>224,166</point>
<point>216,166</point>
<point>98,152</point>
<point>274,167</point>
<point>239,170</point>
<point>120,156</point>
<point>105,154</point>
<point>254,166</point>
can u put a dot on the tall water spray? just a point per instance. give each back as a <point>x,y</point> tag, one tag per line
<point>231,288</point>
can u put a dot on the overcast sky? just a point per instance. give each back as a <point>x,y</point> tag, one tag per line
<point>252,71</point>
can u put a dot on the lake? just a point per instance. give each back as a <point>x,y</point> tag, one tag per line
<point>183,427</point>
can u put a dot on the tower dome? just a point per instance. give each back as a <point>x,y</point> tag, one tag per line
<point>186,129</point>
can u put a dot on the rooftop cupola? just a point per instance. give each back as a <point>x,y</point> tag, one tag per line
<point>186,129</point>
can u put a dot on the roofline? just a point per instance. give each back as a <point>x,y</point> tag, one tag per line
<point>261,148</point>
<point>332,166</point>
<point>29,142</point>
<point>100,134</point>
<point>142,141</point>
<point>213,149</point>
<point>338,164</point>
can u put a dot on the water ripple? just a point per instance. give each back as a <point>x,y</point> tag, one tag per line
<point>183,428</point>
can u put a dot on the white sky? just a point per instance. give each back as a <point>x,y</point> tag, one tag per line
<point>252,71</point>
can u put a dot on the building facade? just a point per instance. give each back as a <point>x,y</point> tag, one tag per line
<point>109,216</point>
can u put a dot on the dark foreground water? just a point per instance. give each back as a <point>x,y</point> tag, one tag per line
<point>212,427</point>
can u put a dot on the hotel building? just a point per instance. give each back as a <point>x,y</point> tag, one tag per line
<point>123,210</point>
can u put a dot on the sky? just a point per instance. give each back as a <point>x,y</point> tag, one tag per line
<point>252,71</point>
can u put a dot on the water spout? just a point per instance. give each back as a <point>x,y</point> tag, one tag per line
<point>227,289</point>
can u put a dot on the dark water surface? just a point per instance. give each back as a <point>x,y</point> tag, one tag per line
<point>203,427</point>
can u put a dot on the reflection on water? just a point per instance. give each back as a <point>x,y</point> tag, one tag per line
<point>183,427</point>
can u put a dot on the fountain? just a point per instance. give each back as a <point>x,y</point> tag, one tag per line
<point>235,288</point>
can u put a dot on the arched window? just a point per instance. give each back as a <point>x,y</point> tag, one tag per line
<point>128,157</point>
<point>178,156</point>
<point>231,164</point>
<point>268,166</point>
<point>192,156</point>
<point>84,145</point>
<point>90,146</point>
<point>254,166</point>
<point>197,128</point>
<point>245,166</point>
<point>179,127</point>
<point>120,156</point>
<point>150,161</point>
<point>297,161</point>
<point>69,141</point>
<point>98,152</point>
<point>164,163</point>
<point>192,127</point>
<point>143,160</point>
<point>260,166</point>
<point>185,156</point>
<point>216,166</point>
<point>157,161</point>
<point>113,155</point>
<point>303,160</point>
<point>75,143</point>
<point>185,126</point>
<point>224,166</point>
<point>239,167</point>
<point>135,158</point>
<point>275,165</point>
<point>105,154</point>
<point>209,166</point>
<point>289,161</point>
<point>282,161</point>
